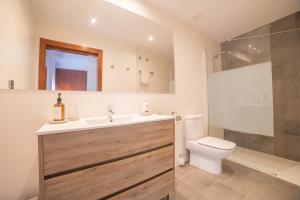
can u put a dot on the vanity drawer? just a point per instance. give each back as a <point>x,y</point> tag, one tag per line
<point>98,182</point>
<point>155,189</point>
<point>73,150</point>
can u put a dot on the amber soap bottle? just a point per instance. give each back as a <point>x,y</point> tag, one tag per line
<point>59,110</point>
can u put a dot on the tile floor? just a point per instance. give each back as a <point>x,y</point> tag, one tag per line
<point>282,168</point>
<point>235,183</point>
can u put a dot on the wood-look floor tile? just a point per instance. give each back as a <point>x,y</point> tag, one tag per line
<point>272,187</point>
<point>219,191</point>
<point>179,196</point>
<point>184,190</point>
<point>235,183</point>
<point>181,172</point>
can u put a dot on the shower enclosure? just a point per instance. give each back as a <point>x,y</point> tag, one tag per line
<point>254,89</point>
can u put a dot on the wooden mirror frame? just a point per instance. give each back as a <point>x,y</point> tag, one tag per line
<point>70,48</point>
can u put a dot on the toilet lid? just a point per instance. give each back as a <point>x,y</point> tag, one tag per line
<point>216,143</point>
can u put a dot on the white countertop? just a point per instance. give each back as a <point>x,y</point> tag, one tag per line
<point>100,122</point>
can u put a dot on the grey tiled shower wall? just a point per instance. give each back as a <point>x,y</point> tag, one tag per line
<point>278,42</point>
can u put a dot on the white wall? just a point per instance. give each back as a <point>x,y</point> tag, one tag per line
<point>17,43</point>
<point>22,113</point>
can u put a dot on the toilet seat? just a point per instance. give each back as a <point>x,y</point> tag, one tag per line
<point>207,153</point>
<point>216,143</point>
<point>211,142</point>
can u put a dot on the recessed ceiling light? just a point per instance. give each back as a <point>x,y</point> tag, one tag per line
<point>150,38</point>
<point>93,20</point>
<point>254,48</point>
<point>250,45</point>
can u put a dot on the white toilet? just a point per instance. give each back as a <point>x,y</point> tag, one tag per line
<point>205,152</point>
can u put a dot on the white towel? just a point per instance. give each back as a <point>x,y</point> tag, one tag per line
<point>145,77</point>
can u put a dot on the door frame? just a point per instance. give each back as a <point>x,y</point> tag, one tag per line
<point>70,48</point>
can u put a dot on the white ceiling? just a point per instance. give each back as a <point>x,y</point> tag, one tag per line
<point>225,19</point>
<point>112,22</point>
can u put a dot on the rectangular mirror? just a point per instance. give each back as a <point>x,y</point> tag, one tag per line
<point>90,46</point>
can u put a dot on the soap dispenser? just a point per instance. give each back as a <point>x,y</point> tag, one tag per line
<point>58,114</point>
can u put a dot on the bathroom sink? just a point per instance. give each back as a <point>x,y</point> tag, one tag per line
<point>108,120</point>
<point>101,122</point>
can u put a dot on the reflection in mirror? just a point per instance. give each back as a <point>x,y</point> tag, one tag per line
<point>134,53</point>
<point>70,71</point>
<point>65,66</point>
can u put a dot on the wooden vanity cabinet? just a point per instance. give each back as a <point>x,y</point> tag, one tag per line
<point>125,162</point>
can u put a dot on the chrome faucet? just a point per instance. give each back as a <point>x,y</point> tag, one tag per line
<point>110,112</point>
